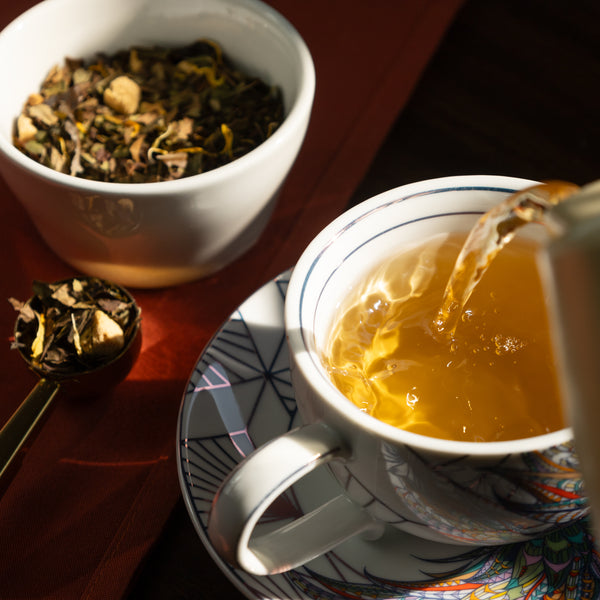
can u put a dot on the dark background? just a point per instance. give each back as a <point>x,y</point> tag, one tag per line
<point>513,90</point>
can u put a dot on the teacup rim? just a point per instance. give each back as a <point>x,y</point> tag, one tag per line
<point>305,357</point>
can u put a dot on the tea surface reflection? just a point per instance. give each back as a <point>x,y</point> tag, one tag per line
<point>494,379</point>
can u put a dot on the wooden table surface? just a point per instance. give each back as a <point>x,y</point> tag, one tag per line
<point>514,89</point>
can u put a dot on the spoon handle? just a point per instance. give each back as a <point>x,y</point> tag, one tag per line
<point>19,427</point>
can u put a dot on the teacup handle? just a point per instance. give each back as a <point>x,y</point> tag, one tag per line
<point>258,480</point>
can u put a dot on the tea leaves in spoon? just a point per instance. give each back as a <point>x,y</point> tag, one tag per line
<point>74,326</point>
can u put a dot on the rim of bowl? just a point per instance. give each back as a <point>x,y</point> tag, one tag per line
<point>307,360</point>
<point>301,105</point>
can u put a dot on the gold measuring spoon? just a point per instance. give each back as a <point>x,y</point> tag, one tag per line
<point>83,333</point>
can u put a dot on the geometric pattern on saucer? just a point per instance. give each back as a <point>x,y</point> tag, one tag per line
<point>239,396</point>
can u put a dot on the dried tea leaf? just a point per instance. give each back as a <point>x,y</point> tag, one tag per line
<point>147,114</point>
<point>62,293</point>
<point>76,336</point>
<point>73,326</point>
<point>43,114</point>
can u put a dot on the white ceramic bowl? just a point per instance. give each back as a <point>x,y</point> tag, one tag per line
<point>165,233</point>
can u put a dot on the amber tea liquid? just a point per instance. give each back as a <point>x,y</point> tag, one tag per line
<point>493,379</point>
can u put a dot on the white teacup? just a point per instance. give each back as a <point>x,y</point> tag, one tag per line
<point>447,491</point>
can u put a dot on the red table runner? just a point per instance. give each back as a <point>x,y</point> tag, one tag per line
<point>100,480</point>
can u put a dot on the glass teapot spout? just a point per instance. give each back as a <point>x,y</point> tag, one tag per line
<point>570,270</point>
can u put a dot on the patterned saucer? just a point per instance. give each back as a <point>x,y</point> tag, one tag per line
<point>239,396</point>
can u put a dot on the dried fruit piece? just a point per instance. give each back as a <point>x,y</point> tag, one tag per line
<point>103,336</point>
<point>123,95</point>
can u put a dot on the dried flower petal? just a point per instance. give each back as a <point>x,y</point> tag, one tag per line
<point>37,346</point>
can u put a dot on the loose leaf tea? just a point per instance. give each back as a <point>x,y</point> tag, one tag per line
<point>74,326</point>
<point>147,114</point>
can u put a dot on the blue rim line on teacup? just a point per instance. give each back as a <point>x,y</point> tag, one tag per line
<point>310,362</point>
<point>292,114</point>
